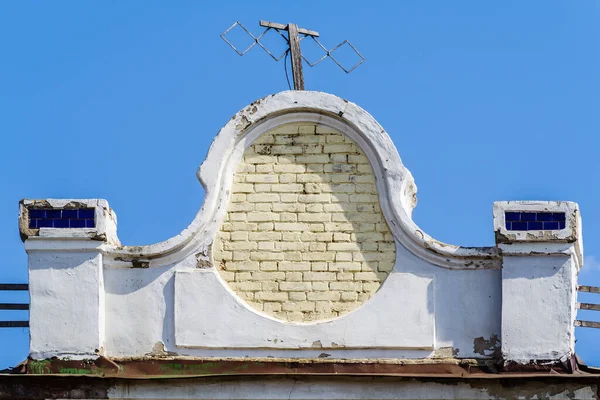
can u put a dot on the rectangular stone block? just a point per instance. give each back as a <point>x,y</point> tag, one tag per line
<point>287,187</point>
<point>319,276</point>
<point>262,216</point>
<point>290,226</point>
<point>271,296</point>
<point>321,296</point>
<point>294,266</point>
<point>263,198</point>
<point>295,286</point>
<point>265,255</point>
<point>262,178</point>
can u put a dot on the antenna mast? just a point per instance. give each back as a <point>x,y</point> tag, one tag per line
<point>294,36</point>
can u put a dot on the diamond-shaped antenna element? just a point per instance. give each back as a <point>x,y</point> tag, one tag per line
<point>294,36</point>
<point>362,59</point>
<point>312,64</point>
<point>237,23</point>
<point>267,50</point>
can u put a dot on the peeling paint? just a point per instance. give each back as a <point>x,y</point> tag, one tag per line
<point>446,352</point>
<point>140,264</point>
<point>243,124</point>
<point>75,204</point>
<point>203,258</point>
<point>487,347</point>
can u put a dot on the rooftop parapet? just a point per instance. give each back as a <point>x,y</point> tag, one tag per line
<point>304,247</point>
<point>542,252</point>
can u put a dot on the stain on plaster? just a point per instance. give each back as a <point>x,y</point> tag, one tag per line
<point>159,350</point>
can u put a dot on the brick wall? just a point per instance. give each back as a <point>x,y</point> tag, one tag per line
<point>304,237</point>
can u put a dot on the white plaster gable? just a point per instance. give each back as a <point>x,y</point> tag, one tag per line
<point>439,300</point>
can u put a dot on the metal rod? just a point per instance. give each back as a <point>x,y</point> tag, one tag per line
<point>14,324</point>
<point>14,286</point>
<point>296,57</point>
<point>13,306</point>
<point>590,289</point>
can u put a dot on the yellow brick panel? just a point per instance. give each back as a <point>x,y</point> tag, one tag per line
<point>304,237</point>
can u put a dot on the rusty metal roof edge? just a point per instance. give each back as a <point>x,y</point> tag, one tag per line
<point>498,376</point>
<point>147,368</point>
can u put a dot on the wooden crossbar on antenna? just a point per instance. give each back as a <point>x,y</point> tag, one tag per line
<point>295,55</point>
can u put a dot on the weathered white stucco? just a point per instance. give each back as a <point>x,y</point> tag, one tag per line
<point>439,300</point>
<point>539,283</point>
<point>352,388</point>
<point>380,323</point>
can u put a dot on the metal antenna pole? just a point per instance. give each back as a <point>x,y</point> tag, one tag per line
<point>293,41</point>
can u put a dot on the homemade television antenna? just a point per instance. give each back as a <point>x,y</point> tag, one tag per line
<point>294,36</point>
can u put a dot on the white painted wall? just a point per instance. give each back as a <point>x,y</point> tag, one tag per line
<point>352,388</point>
<point>440,299</point>
<point>67,303</point>
<point>539,283</point>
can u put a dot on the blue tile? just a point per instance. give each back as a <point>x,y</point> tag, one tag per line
<point>33,223</point>
<point>544,216</point>
<point>512,216</point>
<point>37,213</point>
<point>508,226</point>
<point>86,213</point>
<point>549,226</point>
<point>77,223</point>
<point>61,223</point>
<point>558,216</point>
<point>561,224</point>
<point>534,226</point>
<point>528,216</point>
<point>89,223</point>
<point>519,226</point>
<point>53,213</point>
<point>69,214</point>
<point>44,223</point>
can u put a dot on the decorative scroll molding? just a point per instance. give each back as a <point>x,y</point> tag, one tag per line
<point>395,184</point>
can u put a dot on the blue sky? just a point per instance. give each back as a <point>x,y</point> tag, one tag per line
<point>485,101</point>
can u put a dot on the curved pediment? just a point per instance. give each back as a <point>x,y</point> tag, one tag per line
<point>395,185</point>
